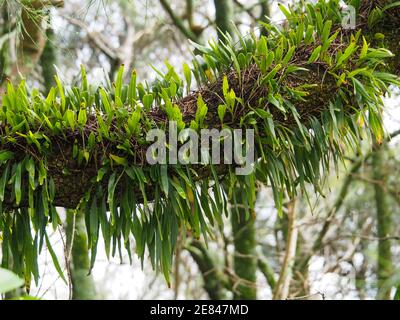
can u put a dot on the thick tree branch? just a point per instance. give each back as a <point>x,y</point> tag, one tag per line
<point>213,278</point>
<point>267,271</point>
<point>70,188</point>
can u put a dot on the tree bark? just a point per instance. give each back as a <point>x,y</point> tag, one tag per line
<point>267,271</point>
<point>384,223</point>
<point>214,280</point>
<point>312,106</point>
<point>31,41</point>
<point>245,260</point>
<point>223,17</point>
<point>281,290</point>
<point>83,286</point>
<point>265,14</point>
<point>243,231</point>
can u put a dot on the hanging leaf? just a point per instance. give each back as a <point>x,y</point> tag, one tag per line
<point>55,259</point>
<point>164,179</point>
<point>17,183</point>
<point>9,281</point>
<point>6,155</point>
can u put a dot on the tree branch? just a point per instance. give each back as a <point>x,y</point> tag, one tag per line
<point>318,243</point>
<point>267,271</point>
<point>71,188</point>
<point>213,279</point>
<point>178,22</point>
<point>281,289</point>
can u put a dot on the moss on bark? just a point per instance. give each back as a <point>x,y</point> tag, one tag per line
<point>83,286</point>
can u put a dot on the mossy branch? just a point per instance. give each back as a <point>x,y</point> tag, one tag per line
<point>305,93</point>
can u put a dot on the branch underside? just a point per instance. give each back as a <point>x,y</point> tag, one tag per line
<point>71,187</point>
<point>73,180</point>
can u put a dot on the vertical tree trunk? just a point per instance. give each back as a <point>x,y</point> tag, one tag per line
<point>299,286</point>
<point>214,280</point>
<point>245,259</point>
<point>223,17</point>
<point>4,28</point>
<point>384,221</point>
<point>31,42</point>
<point>83,287</point>
<point>265,13</point>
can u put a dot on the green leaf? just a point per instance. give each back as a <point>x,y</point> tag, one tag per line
<point>201,111</point>
<point>326,31</point>
<point>360,89</point>
<point>221,112</point>
<point>112,183</point>
<point>133,121</point>
<point>119,160</point>
<point>55,259</point>
<point>379,54</point>
<point>288,56</point>
<point>271,74</point>
<point>82,117</point>
<point>276,102</point>
<point>3,181</point>
<point>148,101</point>
<point>262,48</point>
<point>364,49</point>
<point>309,35</point>
<point>374,17</point>
<point>391,5</point>
<point>164,179</point>
<point>42,173</point>
<point>118,82</point>
<point>188,75</point>
<point>132,93</point>
<point>315,54</point>
<point>285,11</point>
<point>85,86</point>
<point>100,174</point>
<point>292,68</point>
<point>61,92</point>
<point>17,183</point>
<point>346,55</point>
<point>225,86</point>
<point>70,117</point>
<point>9,281</point>
<point>6,155</point>
<point>91,141</point>
<point>30,167</point>
<point>105,101</point>
<point>178,187</point>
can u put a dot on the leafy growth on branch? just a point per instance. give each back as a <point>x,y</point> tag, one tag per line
<point>306,91</point>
